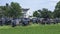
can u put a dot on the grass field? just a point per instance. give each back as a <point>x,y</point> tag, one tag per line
<point>31,29</point>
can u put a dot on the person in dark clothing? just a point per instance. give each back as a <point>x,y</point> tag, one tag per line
<point>1,22</point>
<point>13,22</point>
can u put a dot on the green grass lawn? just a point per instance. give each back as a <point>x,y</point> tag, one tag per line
<point>31,29</point>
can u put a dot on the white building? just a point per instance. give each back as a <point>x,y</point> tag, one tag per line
<point>24,12</point>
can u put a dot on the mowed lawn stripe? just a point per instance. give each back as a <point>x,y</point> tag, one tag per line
<point>31,29</point>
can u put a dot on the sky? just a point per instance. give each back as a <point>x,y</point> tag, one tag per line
<point>33,4</point>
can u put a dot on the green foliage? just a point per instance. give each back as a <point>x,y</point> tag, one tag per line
<point>43,13</point>
<point>36,14</point>
<point>15,9</point>
<point>57,10</point>
<point>12,10</point>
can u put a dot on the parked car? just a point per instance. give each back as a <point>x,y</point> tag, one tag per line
<point>25,21</point>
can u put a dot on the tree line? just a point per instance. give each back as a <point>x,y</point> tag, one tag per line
<point>13,10</point>
<point>48,13</point>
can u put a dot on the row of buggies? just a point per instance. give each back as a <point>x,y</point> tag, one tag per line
<point>45,20</point>
<point>27,21</point>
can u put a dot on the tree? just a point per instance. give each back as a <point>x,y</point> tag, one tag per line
<point>2,11</point>
<point>46,13</point>
<point>57,10</point>
<point>36,14</point>
<point>13,10</point>
<point>5,9</point>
